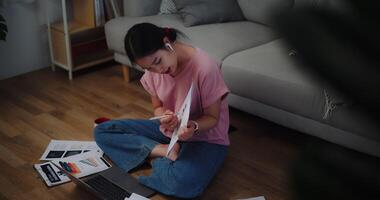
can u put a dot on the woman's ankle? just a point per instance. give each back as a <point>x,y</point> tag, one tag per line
<point>173,154</point>
<point>159,151</point>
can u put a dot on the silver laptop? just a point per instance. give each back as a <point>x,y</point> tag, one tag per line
<point>112,183</point>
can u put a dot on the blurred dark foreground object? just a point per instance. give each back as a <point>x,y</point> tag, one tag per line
<point>327,171</point>
<point>343,48</point>
<point>340,45</point>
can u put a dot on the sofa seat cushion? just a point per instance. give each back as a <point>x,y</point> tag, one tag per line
<point>219,40</point>
<point>268,74</point>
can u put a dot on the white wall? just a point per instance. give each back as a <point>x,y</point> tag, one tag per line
<point>26,48</point>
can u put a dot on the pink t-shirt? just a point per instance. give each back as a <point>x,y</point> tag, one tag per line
<point>208,86</point>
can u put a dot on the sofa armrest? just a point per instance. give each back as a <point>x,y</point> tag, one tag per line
<point>138,8</point>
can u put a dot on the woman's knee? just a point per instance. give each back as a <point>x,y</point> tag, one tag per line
<point>111,126</point>
<point>99,129</point>
<point>103,129</point>
<point>98,133</point>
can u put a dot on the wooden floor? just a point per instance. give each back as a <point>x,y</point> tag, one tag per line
<point>44,105</point>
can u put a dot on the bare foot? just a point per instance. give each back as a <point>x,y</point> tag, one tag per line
<point>173,155</point>
<point>161,149</point>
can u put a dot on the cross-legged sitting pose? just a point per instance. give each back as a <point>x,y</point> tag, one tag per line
<point>170,68</point>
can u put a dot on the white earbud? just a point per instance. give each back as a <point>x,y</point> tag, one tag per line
<point>168,46</point>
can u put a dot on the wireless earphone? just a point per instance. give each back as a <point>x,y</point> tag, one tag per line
<point>168,46</point>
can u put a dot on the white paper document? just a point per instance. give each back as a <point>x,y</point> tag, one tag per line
<point>58,149</point>
<point>254,198</point>
<point>79,165</point>
<point>50,174</point>
<point>82,165</point>
<point>183,116</point>
<point>135,196</point>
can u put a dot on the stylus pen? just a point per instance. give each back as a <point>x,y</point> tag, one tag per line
<point>158,117</point>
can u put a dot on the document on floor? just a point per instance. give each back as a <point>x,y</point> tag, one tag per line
<point>183,116</point>
<point>135,196</point>
<point>50,174</point>
<point>58,149</point>
<point>83,164</point>
<point>80,165</point>
<point>254,198</point>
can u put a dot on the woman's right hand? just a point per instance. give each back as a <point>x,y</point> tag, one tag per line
<point>169,122</point>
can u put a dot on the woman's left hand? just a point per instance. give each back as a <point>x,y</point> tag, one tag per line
<point>185,133</point>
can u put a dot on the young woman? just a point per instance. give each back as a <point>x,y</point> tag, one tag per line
<point>170,68</point>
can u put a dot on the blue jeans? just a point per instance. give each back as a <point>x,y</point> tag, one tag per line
<point>129,142</point>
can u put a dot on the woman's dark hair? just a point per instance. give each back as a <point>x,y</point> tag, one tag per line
<point>146,38</point>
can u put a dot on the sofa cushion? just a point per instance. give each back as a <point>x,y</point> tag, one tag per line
<point>219,40</point>
<point>268,74</point>
<point>224,39</point>
<point>261,10</point>
<point>196,12</point>
<point>138,8</point>
<point>167,7</point>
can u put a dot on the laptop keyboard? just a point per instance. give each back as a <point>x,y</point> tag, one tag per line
<point>108,189</point>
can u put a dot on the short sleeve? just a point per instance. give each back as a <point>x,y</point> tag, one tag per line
<point>148,84</point>
<point>212,86</point>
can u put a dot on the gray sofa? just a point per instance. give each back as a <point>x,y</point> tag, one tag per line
<point>263,74</point>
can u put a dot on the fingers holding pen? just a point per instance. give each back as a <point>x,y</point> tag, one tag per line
<point>169,121</point>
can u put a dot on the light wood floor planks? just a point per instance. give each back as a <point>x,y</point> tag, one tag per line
<point>44,105</point>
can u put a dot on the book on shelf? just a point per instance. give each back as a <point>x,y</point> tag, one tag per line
<point>109,13</point>
<point>99,13</point>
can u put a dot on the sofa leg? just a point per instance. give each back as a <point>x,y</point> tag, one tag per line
<point>126,73</point>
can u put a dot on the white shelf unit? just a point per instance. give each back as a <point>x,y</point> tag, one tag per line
<point>76,43</point>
